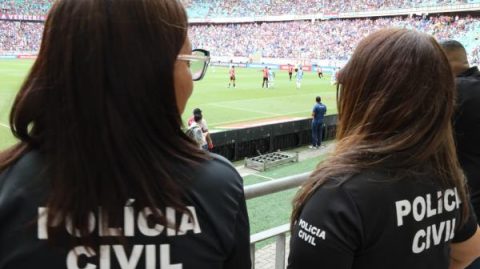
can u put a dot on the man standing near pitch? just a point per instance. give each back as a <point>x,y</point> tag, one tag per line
<point>318,115</point>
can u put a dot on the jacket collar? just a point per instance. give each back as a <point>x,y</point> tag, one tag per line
<point>471,72</point>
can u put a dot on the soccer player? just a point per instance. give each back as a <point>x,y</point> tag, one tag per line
<point>290,71</point>
<point>265,77</point>
<point>271,78</point>
<point>333,80</point>
<point>299,77</point>
<point>320,72</point>
<point>232,76</point>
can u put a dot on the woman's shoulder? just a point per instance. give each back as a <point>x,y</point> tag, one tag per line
<point>373,187</point>
<point>218,167</point>
<point>217,172</point>
<point>218,189</point>
<point>382,179</point>
<point>20,184</point>
<point>20,174</point>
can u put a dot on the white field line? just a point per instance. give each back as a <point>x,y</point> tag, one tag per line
<point>248,110</point>
<point>258,99</point>
<point>4,125</point>
<point>307,115</point>
<point>231,105</point>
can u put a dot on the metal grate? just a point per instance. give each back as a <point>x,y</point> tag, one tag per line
<point>267,161</point>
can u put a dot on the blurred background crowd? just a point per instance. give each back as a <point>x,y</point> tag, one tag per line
<point>236,8</point>
<point>318,39</point>
<point>330,39</point>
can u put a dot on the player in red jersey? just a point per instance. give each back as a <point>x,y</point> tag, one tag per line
<point>320,72</point>
<point>265,77</point>
<point>290,71</point>
<point>232,76</point>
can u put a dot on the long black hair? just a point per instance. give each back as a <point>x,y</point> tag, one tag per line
<point>99,106</point>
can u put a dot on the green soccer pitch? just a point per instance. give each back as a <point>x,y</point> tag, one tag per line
<point>222,107</point>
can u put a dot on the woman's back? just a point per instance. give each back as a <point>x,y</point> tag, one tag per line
<point>370,221</point>
<point>392,195</point>
<point>214,236</point>
<point>103,175</point>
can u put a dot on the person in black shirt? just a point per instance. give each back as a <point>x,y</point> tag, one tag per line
<point>103,175</point>
<point>467,120</point>
<point>392,194</point>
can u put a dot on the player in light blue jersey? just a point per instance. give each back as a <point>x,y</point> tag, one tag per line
<point>333,80</point>
<point>271,78</point>
<point>299,77</point>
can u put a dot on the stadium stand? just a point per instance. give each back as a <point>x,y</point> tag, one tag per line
<point>241,8</point>
<point>20,36</point>
<point>315,39</point>
<point>331,39</point>
<point>247,8</point>
<point>476,54</point>
<point>25,7</point>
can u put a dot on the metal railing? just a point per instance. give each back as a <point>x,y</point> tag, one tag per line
<point>279,232</point>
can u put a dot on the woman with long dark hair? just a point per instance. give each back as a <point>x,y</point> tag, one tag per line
<point>392,195</point>
<point>103,175</point>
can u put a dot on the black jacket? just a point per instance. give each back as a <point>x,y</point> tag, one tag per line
<point>467,130</point>
<point>372,221</point>
<point>217,237</point>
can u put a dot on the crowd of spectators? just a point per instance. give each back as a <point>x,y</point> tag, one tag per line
<point>331,39</point>
<point>476,55</point>
<point>248,8</point>
<point>242,8</point>
<point>25,7</point>
<point>370,5</point>
<point>20,36</point>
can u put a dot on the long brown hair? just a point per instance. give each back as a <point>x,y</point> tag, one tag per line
<point>99,105</point>
<point>395,103</point>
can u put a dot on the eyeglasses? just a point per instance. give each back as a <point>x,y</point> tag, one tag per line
<point>198,62</point>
